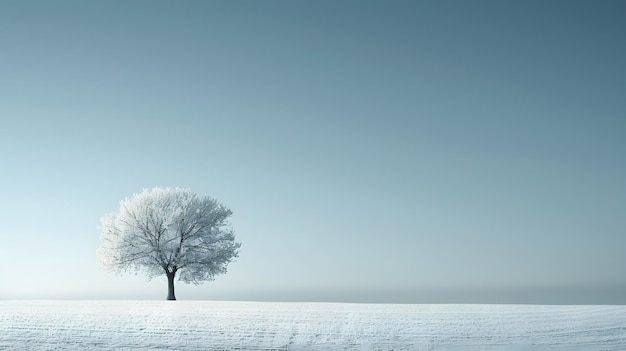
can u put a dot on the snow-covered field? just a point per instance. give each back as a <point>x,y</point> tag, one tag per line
<point>204,325</point>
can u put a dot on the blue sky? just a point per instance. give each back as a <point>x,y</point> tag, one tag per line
<point>397,151</point>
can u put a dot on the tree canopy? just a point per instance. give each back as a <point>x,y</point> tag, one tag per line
<point>169,231</point>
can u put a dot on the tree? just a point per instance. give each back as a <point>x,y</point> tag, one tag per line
<point>169,231</point>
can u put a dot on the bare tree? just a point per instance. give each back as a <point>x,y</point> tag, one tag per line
<point>169,231</point>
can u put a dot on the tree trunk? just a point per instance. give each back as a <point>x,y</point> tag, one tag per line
<point>170,286</point>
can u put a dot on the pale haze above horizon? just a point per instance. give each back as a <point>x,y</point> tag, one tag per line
<point>371,151</point>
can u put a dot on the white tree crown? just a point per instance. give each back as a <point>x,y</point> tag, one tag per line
<point>169,230</point>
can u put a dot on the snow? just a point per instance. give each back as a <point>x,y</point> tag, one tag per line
<point>202,325</point>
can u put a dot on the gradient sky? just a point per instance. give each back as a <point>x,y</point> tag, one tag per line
<point>401,151</point>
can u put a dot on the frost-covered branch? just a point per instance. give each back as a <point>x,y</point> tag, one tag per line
<point>169,231</point>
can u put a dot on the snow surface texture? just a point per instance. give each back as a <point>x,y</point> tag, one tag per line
<point>204,325</point>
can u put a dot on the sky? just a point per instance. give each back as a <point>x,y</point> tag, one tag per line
<point>371,151</point>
